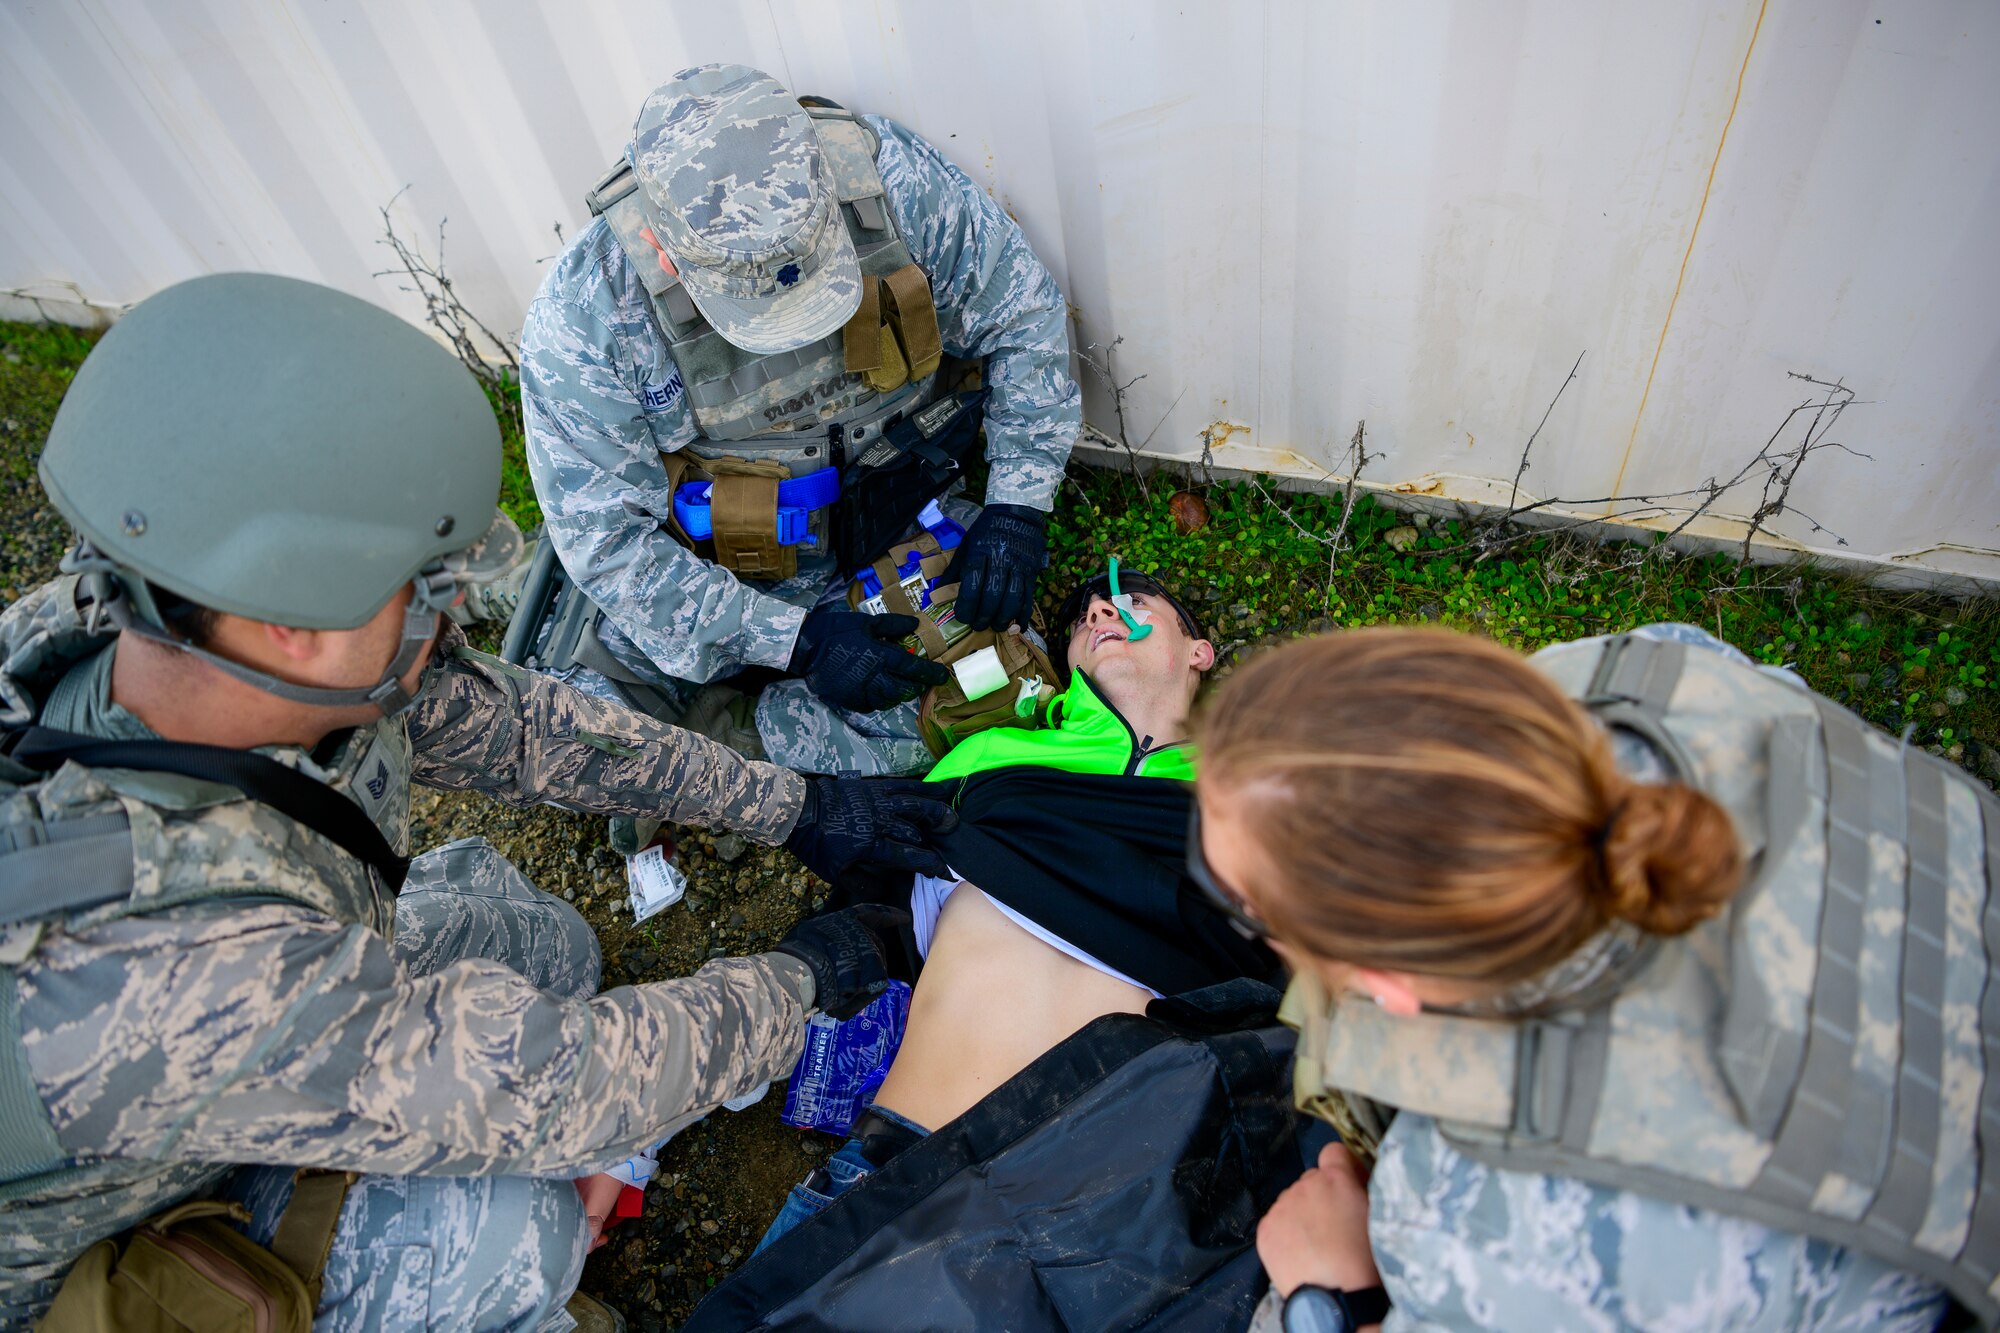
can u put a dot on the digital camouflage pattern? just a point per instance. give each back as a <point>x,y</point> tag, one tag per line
<point>167,1043</point>
<point>412,1252</point>
<point>743,202</point>
<point>795,728</point>
<point>803,731</point>
<point>603,400</point>
<point>1465,1246</point>
<point>487,1252</point>
<point>525,739</point>
<point>1626,1218</point>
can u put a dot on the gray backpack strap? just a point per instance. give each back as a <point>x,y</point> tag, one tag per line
<point>1809,1140</point>
<point>28,1143</point>
<point>46,869</point>
<point>1905,1194</point>
<point>1560,1060</point>
<point>611,187</point>
<point>1869,1113</point>
<point>1982,1241</point>
<point>1760,1058</point>
<point>626,215</point>
<point>850,145</point>
<point>617,200</point>
<point>1631,688</point>
<point>73,864</point>
<point>1559,1076</point>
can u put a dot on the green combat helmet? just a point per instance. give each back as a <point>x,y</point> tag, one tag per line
<point>281,451</point>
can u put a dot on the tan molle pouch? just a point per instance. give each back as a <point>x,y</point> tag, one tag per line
<point>937,629</point>
<point>743,512</point>
<point>908,309</point>
<point>893,337</point>
<point>868,345</point>
<point>892,372</point>
<point>189,1269</point>
<point>947,717</point>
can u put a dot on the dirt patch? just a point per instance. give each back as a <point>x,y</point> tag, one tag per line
<point>723,1180</point>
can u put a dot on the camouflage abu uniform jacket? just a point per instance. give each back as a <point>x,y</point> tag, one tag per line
<point>593,362</point>
<point>170,1044</point>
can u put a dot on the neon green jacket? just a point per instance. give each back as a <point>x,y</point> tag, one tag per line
<point>1085,735</point>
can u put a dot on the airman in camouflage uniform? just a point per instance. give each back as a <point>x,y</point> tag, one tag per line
<point>735,186</point>
<point>254,992</point>
<point>1465,1244</point>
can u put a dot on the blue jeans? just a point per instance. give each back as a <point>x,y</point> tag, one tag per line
<point>842,1172</point>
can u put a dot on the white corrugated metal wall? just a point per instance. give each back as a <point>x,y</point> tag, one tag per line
<point>1295,214</point>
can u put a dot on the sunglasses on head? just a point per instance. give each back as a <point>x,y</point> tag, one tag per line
<point>1076,607</point>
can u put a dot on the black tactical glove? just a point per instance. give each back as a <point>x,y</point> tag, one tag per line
<point>853,660</point>
<point>882,822</point>
<point>853,954</point>
<point>997,565</point>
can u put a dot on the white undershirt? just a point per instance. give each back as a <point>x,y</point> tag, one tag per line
<point>927,898</point>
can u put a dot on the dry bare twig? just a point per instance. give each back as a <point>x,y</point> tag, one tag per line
<point>1335,541</point>
<point>1106,371</point>
<point>1547,412</point>
<point>1357,449</point>
<point>490,358</point>
<point>1778,468</point>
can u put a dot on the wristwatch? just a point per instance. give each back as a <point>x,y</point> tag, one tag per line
<point>1329,1310</point>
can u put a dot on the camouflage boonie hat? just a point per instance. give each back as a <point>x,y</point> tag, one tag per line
<point>743,203</point>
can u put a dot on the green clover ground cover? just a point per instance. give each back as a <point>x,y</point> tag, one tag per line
<point>37,362</point>
<point>1899,659</point>
<point>517,488</point>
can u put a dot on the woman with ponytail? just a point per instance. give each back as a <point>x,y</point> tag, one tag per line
<point>1448,849</point>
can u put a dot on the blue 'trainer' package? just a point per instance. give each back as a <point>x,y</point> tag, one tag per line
<point>844,1063</point>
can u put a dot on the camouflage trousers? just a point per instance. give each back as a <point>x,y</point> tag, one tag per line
<point>479,1252</point>
<point>797,728</point>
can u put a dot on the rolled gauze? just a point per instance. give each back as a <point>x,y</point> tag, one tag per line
<point>980,673</point>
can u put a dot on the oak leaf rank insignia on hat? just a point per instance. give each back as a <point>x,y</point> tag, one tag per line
<point>743,203</point>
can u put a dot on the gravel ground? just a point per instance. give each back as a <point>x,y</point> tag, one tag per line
<point>721,1181</point>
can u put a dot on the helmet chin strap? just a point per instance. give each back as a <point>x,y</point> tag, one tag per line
<point>431,591</point>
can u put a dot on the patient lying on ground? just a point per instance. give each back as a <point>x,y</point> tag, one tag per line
<point>953,1051</point>
<point>1009,975</point>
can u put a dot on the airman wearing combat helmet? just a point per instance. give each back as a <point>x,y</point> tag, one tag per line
<point>212,723</point>
<point>734,385</point>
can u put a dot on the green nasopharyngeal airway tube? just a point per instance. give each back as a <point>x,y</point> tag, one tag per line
<point>1123,605</point>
